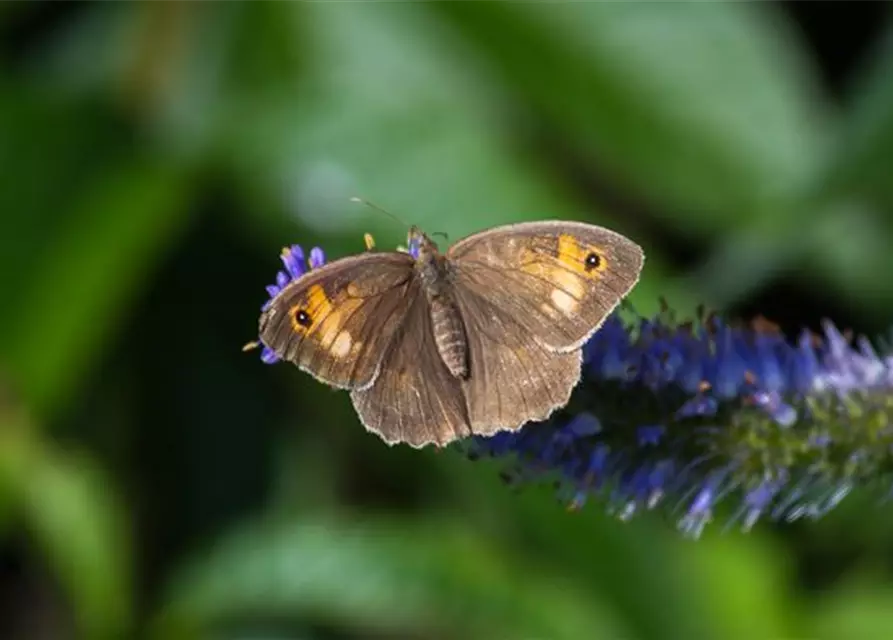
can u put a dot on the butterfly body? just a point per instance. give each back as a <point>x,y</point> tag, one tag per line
<point>449,331</point>
<point>438,346</point>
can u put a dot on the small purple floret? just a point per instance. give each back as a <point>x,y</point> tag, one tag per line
<point>317,258</point>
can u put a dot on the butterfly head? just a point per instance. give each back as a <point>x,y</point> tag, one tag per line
<point>419,244</point>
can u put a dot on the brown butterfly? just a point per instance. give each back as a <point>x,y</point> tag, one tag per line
<point>483,338</point>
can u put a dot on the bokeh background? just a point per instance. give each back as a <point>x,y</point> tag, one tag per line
<point>157,482</point>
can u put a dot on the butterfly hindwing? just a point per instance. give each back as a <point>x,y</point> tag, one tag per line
<point>415,399</point>
<point>513,379</point>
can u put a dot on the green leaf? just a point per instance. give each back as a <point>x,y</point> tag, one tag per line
<point>710,111</point>
<point>838,238</point>
<point>379,574</point>
<point>859,611</point>
<point>66,503</point>
<point>657,584</point>
<point>73,292</point>
<point>272,63</point>
<point>387,116</point>
<point>731,577</point>
<point>398,119</point>
<point>862,163</point>
<point>418,126</point>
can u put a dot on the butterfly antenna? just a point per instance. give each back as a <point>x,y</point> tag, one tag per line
<point>442,234</point>
<point>372,205</point>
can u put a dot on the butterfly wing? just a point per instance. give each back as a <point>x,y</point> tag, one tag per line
<point>558,280</point>
<point>415,399</point>
<point>337,322</point>
<point>513,379</point>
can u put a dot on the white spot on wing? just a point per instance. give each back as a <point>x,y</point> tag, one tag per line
<point>342,344</point>
<point>564,300</point>
<point>567,294</point>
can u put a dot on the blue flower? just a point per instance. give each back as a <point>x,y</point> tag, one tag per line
<point>688,415</point>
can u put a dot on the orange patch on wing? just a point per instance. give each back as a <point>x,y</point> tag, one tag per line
<point>574,255</point>
<point>568,288</point>
<point>318,301</point>
<point>318,308</point>
<point>326,321</point>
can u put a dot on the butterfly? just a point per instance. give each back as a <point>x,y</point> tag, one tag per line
<point>435,347</point>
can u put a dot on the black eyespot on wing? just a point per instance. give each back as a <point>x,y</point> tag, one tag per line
<point>593,260</point>
<point>303,318</point>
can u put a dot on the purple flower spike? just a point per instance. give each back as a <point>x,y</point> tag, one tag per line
<point>709,412</point>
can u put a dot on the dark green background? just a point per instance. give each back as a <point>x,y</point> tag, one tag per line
<point>155,157</point>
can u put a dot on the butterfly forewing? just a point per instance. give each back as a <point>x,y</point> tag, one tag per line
<point>336,322</point>
<point>558,280</point>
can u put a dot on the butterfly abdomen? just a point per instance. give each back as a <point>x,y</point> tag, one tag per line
<point>446,321</point>
<point>449,335</point>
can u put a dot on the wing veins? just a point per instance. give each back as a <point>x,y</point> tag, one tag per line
<point>541,314</point>
<point>314,345</point>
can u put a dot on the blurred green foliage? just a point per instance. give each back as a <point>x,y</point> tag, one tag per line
<point>155,156</point>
